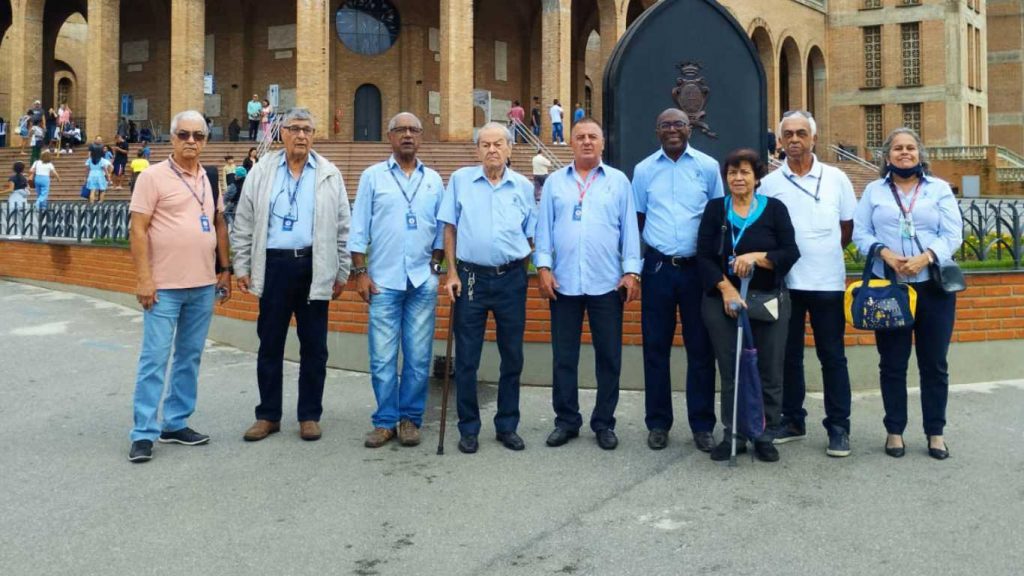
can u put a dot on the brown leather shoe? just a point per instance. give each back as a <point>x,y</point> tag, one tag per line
<point>260,430</point>
<point>379,437</point>
<point>309,430</point>
<point>408,433</point>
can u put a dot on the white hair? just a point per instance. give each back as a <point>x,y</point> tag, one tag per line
<point>491,126</point>
<point>187,115</point>
<point>298,114</point>
<point>394,120</point>
<point>799,114</point>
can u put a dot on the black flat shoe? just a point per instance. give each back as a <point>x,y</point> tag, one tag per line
<point>938,453</point>
<point>607,439</point>
<point>895,451</point>
<point>560,436</point>
<point>511,440</point>
<point>657,439</point>
<point>468,444</point>
<point>704,441</point>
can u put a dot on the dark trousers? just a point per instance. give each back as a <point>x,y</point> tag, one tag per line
<point>604,314</point>
<point>770,341</point>
<point>669,288</point>
<point>286,293</point>
<point>933,327</point>
<point>829,324</point>
<point>504,296</point>
<point>254,128</point>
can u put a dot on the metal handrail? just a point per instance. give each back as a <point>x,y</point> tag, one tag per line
<point>266,143</point>
<point>533,140</point>
<point>846,156</point>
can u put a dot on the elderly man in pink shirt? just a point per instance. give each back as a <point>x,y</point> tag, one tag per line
<point>177,230</point>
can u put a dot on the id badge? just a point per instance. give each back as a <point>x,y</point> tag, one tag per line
<point>410,221</point>
<point>287,224</point>
<point>906,228</point>
<point>577,213</point>
<point>732,260</point>
<point>204,222</point>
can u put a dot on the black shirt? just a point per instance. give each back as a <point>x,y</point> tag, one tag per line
<point>772,232</point>
<point>20,182</point>
<point>121,156</point>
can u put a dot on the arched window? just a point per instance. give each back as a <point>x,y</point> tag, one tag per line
<point>368,27</point>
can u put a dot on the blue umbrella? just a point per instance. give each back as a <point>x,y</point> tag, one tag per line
<point>747,382</point>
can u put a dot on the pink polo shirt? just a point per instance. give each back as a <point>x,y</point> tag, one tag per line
<point>181,254</point>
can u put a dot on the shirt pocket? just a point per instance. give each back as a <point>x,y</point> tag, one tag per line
<point>509,211</point>
<point>824,218</point>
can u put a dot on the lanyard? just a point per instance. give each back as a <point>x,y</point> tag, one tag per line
<point>295,190</point>
<point>404,195</point>
<point>817,189</point>
<point>583,189</point>
<point>746,222</point>
<point>913,199</point>
<point>202,201</point>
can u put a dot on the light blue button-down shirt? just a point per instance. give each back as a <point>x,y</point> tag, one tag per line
<point>936,216</point>
<point>672,195</point>
<point>494,223</point>
<point>400,255</point>
<point>301,234</point>
<point>589,255</point>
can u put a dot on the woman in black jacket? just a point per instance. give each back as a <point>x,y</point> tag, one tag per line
<point>746,234</point>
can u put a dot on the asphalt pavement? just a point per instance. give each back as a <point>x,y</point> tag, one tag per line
<point>72,504</point>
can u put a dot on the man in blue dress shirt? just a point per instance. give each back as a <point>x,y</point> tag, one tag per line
<point>588,260</point>
<point>395,215</point>
<point>490,215</point>
<point>671,188</point>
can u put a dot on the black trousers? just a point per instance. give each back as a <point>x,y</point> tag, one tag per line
<point>604,314</point>
<point>286,293</point>
<point>254,128</point>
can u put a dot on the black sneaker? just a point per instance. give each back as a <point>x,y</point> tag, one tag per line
<point>838,443</point>
<point>186,436</point>
<point>766,451</point>
<point>788,432</point>
<point>141,451</point>
<point>723,451</point>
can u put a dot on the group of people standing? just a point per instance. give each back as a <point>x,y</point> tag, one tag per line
<point>705,226</point>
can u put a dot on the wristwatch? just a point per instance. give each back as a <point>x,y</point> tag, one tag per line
<point>358,270</point>
<point>635,276</point>
<point>435,266</point>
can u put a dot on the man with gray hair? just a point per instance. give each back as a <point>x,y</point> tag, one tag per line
<point>290,238</point>
<point>395,215</point>
<point>490,216</point>
<point>176,226</point>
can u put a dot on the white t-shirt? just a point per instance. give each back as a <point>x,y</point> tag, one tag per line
<point>37,135</point>
<point>541,165</point>
<point>556,114</point>
<point>816,222</point>
<point>42,168</point>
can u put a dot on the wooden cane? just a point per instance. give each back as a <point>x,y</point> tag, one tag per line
<point>447,377</point>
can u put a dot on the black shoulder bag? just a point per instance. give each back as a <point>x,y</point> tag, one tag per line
<point>948,276</point>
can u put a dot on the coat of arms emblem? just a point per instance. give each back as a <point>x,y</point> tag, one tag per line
<point>691,96</point>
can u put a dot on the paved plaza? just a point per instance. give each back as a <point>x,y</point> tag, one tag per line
<point>73,505</point>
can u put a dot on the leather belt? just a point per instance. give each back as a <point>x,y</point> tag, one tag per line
<point>677,261</point>
<point>489,270</point>
<point>290,252</point>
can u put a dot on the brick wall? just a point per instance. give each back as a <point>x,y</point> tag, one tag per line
<point>991,309</point>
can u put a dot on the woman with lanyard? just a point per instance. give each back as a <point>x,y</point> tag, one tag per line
<point>746,235</point>
<point>917,220</point>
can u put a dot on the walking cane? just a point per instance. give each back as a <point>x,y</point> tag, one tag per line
<point>744,285</point>
<point>447,377</point>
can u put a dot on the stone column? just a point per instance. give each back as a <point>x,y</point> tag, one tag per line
<point>456,70</point>
<point>102,99</point>
<point>313,61</point>
<point>612,27</point>
<point>26,61</point>
<point>556,71</point>
<point>188,53</point>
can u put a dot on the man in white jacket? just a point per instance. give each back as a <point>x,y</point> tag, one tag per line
<point>290,239</point>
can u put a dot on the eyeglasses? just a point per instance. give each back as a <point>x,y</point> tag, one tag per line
<point>678,125</point>
<point>294,130</point>
<point>197,135</point>
<point>414,130</point>
<point>802,113</point>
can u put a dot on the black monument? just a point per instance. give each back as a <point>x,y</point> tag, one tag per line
<point>692,55</point>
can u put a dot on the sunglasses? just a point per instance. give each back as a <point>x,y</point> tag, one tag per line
<point>197,135</point>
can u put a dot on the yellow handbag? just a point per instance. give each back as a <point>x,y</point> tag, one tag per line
<point>879,304</point>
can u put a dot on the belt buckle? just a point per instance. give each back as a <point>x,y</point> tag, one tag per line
<point>675,261</point>
<point>295,253</point>
<point>501,269</point>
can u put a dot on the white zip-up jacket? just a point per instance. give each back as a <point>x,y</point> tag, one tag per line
<point>331,220</point>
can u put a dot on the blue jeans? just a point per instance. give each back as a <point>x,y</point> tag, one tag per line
<point>932,330</point>
<point>181,317</point>
<point>829,324</point>
<point>604,314</point>
<point>668,289</point>
<point>42,191</point>
<point>556,132</point>
<point>505,297</point>
<point>406,317</point>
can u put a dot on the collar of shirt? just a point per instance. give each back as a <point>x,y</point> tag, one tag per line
<point>925,179</point>
<point>687,152</point>
<point>479,174</point>
<point>392,163</point>
<point>310,161</point>
<point>572,171</point>
<point>180,168</point>
<point>816,169</point>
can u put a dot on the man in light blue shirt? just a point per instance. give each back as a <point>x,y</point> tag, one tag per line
<point>395,216</point>
<point>671,188</point>
<point>588,260</point>
<point>253,110</point>
<point>490,215</point>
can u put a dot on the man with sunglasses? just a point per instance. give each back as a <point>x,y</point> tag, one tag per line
<point>671,188</point>
<point>821,204</point>
<point>176,226</point>
<point>395,217</point>
<point>290,239</point>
